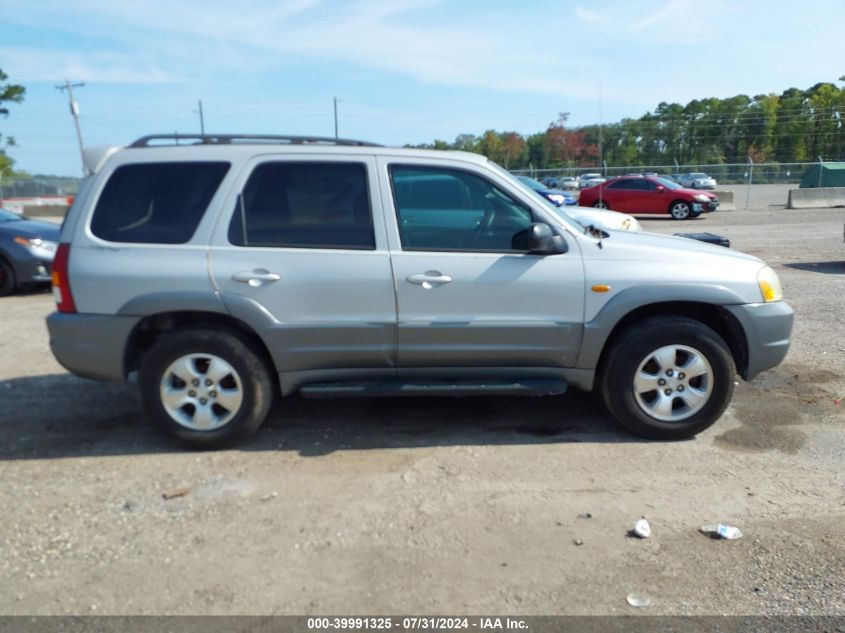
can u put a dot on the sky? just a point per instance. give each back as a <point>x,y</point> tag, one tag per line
<point>403,71</point>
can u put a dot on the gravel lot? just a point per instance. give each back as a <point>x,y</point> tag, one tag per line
<point>438,506</point>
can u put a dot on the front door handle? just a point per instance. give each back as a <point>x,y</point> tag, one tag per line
<point>256,277</point>
<point>428,279</point>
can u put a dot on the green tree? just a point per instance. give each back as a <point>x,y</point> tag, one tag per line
<point>466,143</point>
<point>9,93</point>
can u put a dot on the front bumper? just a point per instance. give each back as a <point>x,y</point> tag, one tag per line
<point>705,207</point>
<point>767,328</point>
<point>33,270</point>
<point>91,345</point>
<point>29,267</point>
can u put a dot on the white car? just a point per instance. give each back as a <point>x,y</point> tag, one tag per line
<point>605,220</point>
<point>590,179</point>
<point>697,180</point>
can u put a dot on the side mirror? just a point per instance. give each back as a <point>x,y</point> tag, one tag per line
<point>539,239</point>
<point>660,189</point>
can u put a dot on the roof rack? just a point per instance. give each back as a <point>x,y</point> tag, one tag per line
<point>229,139</point>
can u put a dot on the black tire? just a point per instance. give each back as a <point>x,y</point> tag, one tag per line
<point>695,214</point>
<point>249,379</point>
<point>680,209</point>
<point>633,407</point>
<point>601,204</point>
<point>7,278</point>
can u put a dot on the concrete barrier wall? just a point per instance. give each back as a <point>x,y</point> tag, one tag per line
<point>726,200</point>
<point>43,211</point>
<point>816,197</point>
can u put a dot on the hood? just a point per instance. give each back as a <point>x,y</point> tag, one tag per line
<point>695,192</point>
<point>32,228</point>
<point>658,247</point>
<point>607,220</point>
<point>557,192</point>
<point>629,259</point>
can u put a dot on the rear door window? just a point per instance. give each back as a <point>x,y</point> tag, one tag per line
<point>156,203</point>
<point>305,205</point>
<point>625,183</point>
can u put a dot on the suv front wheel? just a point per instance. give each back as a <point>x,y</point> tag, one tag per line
<point>208,388</point>
<point>668,378</point>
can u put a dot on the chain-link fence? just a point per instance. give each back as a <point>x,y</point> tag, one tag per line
<point>727,174</point>
<point>37,187</point>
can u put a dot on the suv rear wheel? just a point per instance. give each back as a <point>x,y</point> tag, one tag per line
<point>668,378</point>
<point>208,388</point>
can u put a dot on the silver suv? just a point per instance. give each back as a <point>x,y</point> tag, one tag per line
<point>222,271</point>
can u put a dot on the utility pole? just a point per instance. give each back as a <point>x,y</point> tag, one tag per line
<point>601,130</point>
<point>74,111</point>
<point>335,118</point>
<point>202,120</point>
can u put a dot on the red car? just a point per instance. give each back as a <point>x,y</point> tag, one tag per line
<point>648,194</point>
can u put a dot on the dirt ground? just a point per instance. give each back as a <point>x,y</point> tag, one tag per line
<point>438,506</point>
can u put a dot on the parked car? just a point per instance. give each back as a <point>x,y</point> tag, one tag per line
<point>602,220</point>
<point>221,271</point>
<point>568,182</point>
<point>589,179</point>
<point>27,248</point>
<point>697,180</point>
<point>558,197</point>
<point>646,194</point>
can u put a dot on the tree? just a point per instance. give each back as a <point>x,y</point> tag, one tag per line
<point>558,137</point>
<point>9,93</point>
<point>797,125</point>
<point>513,146</point>
<point>490,144</point>
<point>466,143</point>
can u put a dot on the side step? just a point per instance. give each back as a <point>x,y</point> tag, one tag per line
<point>395,388</point>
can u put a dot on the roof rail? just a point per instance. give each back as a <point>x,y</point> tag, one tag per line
<point>228,139</point>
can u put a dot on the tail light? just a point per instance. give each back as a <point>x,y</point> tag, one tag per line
<point>61,282</point>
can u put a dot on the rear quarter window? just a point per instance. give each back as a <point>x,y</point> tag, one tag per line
<point>156,203</point>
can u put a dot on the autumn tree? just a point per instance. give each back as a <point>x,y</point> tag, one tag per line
<point>513,146</point>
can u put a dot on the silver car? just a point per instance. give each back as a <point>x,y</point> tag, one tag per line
<point>696,180</point>
<point>219,272</point>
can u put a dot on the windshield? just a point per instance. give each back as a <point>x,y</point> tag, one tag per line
<point>8,216</point>
<point>699,175</point>
<point>559,213</point>
<point>669,184</point>
<point>536,185</point>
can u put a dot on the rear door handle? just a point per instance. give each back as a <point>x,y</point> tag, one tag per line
<point>256,277</point>
<point>428,279</point>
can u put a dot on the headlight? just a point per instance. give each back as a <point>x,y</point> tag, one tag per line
<point>37,246</point>
<point>556,198</point>
<point>769,284</point>
<point>702,198</point>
